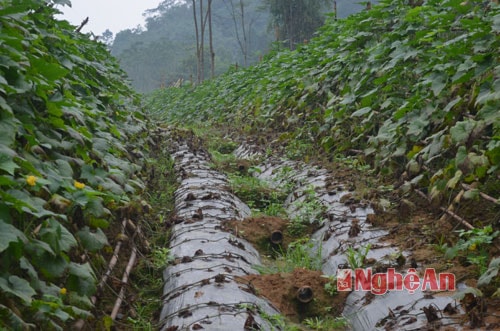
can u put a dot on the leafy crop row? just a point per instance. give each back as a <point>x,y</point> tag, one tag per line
<point>69,131</point>
<point>417,88</point>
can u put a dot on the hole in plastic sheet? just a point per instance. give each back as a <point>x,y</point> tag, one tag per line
<point>236,243</point>
<point>305,294</point>
<point>186,259</point>
<point>197,326</point>
<point>431,313</point>
<point>185,313</point>
<point>220,278</point>
<point>276,237</point>
<point>251,324</point>
<point>190,197</point>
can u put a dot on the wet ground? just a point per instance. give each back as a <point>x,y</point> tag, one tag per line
<point>217,244</point>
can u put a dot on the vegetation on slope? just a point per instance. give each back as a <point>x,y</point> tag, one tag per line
<point>69,131</point>
<point>414,87</point>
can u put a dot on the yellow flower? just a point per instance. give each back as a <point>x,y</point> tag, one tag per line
<point>79,185</point>
<point>31,180</point>
<point>63,291</point>
<point>472,247</point>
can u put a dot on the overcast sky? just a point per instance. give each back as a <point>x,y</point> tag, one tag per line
<point>115,15</point>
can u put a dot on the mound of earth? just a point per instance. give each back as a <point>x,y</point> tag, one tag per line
<point>258,231</point>
<point>284,291</point>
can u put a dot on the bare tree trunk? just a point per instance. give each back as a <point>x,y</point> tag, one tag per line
<point>202,43</point>
<point>198,55</point>
<point>245,38</point>
<point>212,53</point>
<point>290,26</point>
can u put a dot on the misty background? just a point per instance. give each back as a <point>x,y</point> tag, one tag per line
<point>163,51</point>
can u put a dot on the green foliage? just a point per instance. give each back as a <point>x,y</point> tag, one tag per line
<point>490,273</point>
<point>306,212</point>
<point>413,87</point>
<point>327,323</point>
<point>161,257</point>
<point>257,194</point>
<point>356,257</point>
<point>331,285</point>
<point>474,243</point>
<point>276,321</point>
<point>301,253</point>
<point>68,125</point>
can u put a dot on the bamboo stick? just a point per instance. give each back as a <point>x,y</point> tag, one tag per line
<point>483,195</point>
<point>451,207</point>
<point>114,259</point>
<point>137,229</point>
<point>449,212</point>
<point>126,274</point>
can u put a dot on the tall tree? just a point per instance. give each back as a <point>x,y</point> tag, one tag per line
<point>204,17</point>
<point>211,40</point>
<point>198,54</point>
<point>107,37</point>
<point>241,28</point>
<point>295,21</point>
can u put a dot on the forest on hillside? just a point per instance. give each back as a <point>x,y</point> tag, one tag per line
<point>165,50</point>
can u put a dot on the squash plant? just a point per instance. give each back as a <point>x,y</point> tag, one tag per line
<point>70,131</point>
<point>416,87</point>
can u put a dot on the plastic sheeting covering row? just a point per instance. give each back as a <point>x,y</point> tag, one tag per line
<point>346,227</point>
<point>200,290</point>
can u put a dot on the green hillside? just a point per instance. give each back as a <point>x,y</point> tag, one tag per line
<point>413,89</point>
<point>69,131</point>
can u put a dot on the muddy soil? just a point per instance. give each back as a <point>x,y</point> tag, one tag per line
<point>413,225</point>
<point>283,291</point>
<point>268,234</point>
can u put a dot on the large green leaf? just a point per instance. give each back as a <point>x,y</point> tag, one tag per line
<point>57,236</point>
<point>18,287</point>
<point>461,131</point>
<point>92,241</point>
<point>8,234</point>
<point>7,164</point>
<point>362,111</point>
<point>51,71</point>
<point>490,273</point>
<point>12,319</point>
<point>81,279</point>
<point>8,129</point>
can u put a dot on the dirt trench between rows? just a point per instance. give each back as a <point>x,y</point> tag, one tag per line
<point>213,283</point>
